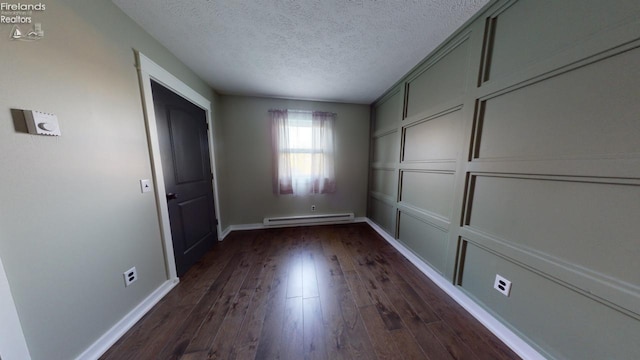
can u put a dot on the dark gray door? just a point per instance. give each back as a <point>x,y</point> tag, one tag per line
<point>184,148</point>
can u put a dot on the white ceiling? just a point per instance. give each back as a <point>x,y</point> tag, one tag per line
<point>332,50</point>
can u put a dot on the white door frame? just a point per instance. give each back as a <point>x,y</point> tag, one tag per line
<point>149,70</point>
<point>12,342</point>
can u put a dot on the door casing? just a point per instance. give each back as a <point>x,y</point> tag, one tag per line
<point>148,70</point>
<point>12,341</point>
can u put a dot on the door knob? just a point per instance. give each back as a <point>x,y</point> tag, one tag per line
<point>171,196</point>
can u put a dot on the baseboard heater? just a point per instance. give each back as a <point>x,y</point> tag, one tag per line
<point>308,219</point>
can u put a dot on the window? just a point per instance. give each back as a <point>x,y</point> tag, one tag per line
<point>303,152</point>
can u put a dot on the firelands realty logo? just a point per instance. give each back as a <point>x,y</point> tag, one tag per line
<point>21,16</point>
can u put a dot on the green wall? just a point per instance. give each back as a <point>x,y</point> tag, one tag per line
<point>513,149</point>
<point>72,218</point>
<point>247,193</point>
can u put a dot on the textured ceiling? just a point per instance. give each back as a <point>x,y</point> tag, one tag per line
<point>333,50</point>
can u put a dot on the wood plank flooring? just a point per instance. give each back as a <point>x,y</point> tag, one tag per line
<point>323,292</point>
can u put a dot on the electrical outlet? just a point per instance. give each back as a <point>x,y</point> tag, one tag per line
<point>130,276</point>
<point>503,285</point>
<point>313,208</point>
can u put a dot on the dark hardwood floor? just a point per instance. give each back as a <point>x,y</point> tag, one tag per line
<point>324,292</point>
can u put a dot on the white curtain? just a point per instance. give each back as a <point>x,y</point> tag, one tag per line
<point>322,161</point>
<point>303,152</point>
<point>283,181</point>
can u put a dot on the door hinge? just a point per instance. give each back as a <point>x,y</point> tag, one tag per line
<point>217,223</point>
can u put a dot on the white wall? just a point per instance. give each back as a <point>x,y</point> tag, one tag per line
<point>72,217</point>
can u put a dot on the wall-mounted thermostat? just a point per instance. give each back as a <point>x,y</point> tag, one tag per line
<point>40,123</point>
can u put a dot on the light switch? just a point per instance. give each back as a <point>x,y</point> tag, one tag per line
<point>145,185</point>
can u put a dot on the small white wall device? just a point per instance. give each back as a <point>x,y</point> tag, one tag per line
<point>40,123</point>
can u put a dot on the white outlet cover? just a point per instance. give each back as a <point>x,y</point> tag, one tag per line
<point>502,285</point>
<point>130,276</point>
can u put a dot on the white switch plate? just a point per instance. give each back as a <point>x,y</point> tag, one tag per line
<point>145,185</point>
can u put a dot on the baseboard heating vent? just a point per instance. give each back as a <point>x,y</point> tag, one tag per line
<point>308,219</point>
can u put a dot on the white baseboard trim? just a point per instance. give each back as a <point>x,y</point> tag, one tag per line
<point>224,233</point>
<point>502,332</point>
<point>109,338</point>
<point>242,227</point>
<point>258,226</point>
